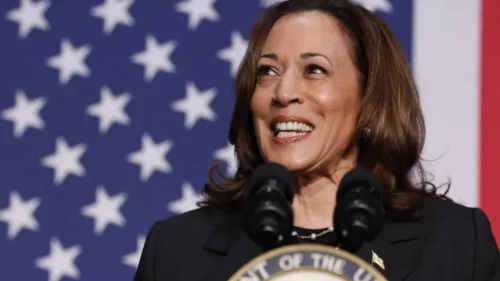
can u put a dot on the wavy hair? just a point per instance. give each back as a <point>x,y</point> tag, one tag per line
<point>390,108</point>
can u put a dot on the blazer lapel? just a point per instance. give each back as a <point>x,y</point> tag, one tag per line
<point>229,240</point>
<point>397,248</point>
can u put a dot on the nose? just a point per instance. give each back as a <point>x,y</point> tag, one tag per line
<point>288,91</point>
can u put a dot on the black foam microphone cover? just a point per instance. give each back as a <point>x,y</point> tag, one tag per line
<point>358,213</point>
<point>268,215</point>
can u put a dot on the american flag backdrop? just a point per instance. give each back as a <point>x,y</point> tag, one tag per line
<point>112,111</point>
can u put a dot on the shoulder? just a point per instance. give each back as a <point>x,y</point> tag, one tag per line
<point>175,242</point>
<point>198,219</point>
<point>454,216</point>
<point>462,232</point>
<point>450,217</point>
<point>449,240</point>
<point>192,227</point>
<point>447,223</point>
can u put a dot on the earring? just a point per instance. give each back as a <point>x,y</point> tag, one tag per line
<point>366,133</point>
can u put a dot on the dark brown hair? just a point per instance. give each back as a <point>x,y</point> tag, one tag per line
<point>390,108</point>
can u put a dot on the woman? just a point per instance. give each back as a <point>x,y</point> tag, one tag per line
<point>324,87</point>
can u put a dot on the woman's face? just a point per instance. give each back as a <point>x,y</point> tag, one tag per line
<point>306,99</point>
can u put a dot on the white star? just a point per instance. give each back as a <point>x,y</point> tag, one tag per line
<point>70,61</point>
<point>197,10</point>
<point>374,5</point>
<point>110,109</point>
<point>61,261</point>
<point>151,157</point>
<point>65,160</point>
<point>30,15</point>
<point>227,154</point>
<point>195,105</point>
<point>268,3</point>
<point>25,113</point>
<point>132,259</point>
<point>234,53</point>
<point>105,210</point>
<point>20,214</point>
<point>188,201</point>
<point>156,57</point>
<point>113,12</point>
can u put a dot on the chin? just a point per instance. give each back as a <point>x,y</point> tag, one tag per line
<point>293,165</point>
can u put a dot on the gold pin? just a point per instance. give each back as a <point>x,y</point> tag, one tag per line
<point>377,260</point>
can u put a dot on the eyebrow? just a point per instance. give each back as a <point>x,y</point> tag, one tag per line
<point>302,56</point>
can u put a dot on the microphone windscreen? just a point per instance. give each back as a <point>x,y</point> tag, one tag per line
<point>271,170</point>
<point>360,177</point>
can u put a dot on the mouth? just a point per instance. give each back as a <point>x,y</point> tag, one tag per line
<point>290,129</point>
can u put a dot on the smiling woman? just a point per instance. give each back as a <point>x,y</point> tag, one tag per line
<point>325,88</point>
<point>338,69</point>
<point>306,78</point>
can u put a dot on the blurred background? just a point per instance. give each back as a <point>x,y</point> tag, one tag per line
<point>112,112</point>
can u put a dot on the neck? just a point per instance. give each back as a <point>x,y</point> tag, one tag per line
<point>315,199</point>
<point>313,204</point>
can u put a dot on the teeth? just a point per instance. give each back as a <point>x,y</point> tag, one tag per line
<point>290,134</point>
<point>292,126</point>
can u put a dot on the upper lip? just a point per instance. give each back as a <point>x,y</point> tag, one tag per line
<point>282,118</point>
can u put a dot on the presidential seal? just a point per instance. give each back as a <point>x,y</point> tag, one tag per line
<point>307,262</point>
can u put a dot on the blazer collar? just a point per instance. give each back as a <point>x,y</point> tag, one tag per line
<point>226,233</point>
<point>229,239</point>
<point>399,245</point>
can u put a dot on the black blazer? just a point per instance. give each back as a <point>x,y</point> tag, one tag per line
<point>449,242</point>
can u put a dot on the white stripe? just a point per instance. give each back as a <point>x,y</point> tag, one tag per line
<point>446,59</point>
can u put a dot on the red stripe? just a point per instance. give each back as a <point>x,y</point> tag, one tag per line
<point>490,114</point>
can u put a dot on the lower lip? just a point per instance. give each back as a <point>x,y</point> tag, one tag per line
<point>285,140</point>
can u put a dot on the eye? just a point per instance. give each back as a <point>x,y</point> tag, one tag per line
<point>265,70</point>
<point>315,69</point>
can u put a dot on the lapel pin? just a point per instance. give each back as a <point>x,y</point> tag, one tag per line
<point>377,260</point>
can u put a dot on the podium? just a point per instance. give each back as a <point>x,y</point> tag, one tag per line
<point>311,262</point>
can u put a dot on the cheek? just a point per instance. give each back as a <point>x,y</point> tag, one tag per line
<point>340,111</point>
<point>258,106</point>
<point>337,102</point>
<point>261,96</point>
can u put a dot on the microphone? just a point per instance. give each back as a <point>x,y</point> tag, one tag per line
<point>358,212</point>
<point>268,214</point>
